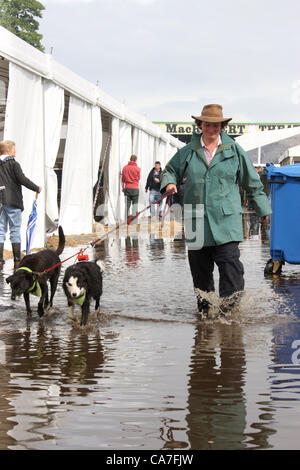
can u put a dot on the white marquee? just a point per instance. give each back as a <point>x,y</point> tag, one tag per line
<point>33,119</point>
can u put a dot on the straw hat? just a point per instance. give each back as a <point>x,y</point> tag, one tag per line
<point>212,113</point>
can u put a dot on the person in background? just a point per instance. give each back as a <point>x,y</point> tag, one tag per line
<point>261,171</point>
<point>131,175</point>
<point>214,166</point>
<point>12,178</point>
<point>153,183</point>
<point>265,225</point>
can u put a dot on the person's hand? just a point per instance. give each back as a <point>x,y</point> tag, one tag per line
<point>265,219</point>
<point>156,180</point>
<point>146,190</point>
<point>40,189</point>
<point>171,186</point>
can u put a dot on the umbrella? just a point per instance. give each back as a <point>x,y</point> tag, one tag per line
<point>31,225</point>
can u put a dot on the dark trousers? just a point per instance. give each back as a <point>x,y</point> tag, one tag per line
<point>231,270</point>
<point>132,197</point>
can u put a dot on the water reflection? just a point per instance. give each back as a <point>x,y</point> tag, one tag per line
<point>284,367</point>
<point>6,411</point>
<point>72,358</point>
<point>147,373</point>
<point>217,404</point>
<point>48,372</point>
<point>156,247</point>
<point>132,251</point>
<point>285,377</point>
<point>287,334</point>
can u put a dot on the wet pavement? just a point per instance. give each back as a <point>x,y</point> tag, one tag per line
<point>146,373</point>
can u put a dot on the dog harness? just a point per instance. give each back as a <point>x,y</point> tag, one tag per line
<point>35,289</point>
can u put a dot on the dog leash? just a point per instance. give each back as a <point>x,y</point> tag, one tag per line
<point>128,221</point>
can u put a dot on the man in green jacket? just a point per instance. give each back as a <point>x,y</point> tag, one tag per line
<point>214,167</point>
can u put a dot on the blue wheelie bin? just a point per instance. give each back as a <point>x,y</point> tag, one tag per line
<point>285,219</point>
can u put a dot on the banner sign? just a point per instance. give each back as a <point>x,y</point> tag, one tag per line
<point>232,128</point>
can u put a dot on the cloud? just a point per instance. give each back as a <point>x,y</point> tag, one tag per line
<point>143,2</point>
<point>164,64</point>
<point>138,2</point>
<point>67,1</point>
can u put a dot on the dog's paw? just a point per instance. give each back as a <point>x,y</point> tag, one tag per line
<point>71,312</point>
<point>41,311</point>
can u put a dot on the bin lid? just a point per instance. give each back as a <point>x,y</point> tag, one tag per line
<point>287,170</point>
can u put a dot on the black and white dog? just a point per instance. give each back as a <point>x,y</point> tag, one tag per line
<point>82,282</point>
<point>27,279</point>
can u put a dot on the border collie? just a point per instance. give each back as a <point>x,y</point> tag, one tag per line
<point>82,282</point>
<point>28,278</point>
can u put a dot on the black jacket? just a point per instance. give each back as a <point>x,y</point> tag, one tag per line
<point>13,178</point>
<point>150,181</point>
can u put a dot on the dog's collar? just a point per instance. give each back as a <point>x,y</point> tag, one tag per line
<point>35,289</point>
<point>80,300</point>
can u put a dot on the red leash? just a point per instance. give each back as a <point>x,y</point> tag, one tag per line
<point>61,262</point>
<point>129,221</point>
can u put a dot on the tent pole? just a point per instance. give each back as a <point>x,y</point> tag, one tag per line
<point>44,151</point>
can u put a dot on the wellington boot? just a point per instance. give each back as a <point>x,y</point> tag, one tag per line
<point>16,247</point>
<point>203,307</point>
<point>16,265</point>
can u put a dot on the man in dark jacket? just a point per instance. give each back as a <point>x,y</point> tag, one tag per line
<point>13,178</point>
<point>153,183</point>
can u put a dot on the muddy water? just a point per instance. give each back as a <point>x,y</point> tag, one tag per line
<point>146,374</point>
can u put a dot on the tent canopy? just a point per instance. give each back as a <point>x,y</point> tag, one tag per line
<point>34,118</point>
<point>268,146</point>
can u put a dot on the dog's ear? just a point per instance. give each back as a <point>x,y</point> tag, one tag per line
<point>9,279</point>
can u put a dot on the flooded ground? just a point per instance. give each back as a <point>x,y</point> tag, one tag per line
<point>146,373</point>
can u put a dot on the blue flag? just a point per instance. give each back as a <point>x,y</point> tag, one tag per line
<point>31,226</point>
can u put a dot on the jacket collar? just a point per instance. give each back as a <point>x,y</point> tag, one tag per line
<point>5,158</point>
<point>196,139</point>
<point>203,144</point>
<point>224,151</point>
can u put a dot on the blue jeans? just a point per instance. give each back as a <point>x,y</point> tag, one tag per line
<point>154,196</point>
<point>12,217</point>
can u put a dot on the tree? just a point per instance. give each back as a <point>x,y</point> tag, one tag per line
<point>19,17</point>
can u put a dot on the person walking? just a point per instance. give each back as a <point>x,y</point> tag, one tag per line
<point>131,175</point>
<point>214,166</point>
<point>153,183</point>
<point>12,178</point>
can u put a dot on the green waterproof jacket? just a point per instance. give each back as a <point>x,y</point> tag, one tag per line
<point>216,187</point>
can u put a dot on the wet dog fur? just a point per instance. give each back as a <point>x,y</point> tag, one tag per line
<point>21,281</point>
<point>84,277</point>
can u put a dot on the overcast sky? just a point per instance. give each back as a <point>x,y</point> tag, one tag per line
<point>167,58</point>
